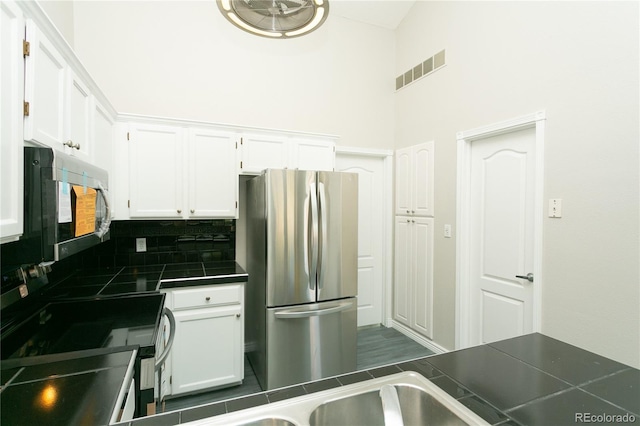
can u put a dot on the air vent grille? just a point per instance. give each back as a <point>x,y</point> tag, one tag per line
<point>421,70</point>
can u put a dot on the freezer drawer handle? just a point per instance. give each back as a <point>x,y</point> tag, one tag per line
<point>293,313</point>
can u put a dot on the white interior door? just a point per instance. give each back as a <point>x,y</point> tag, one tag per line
<point>371,232</point>
<point>501,235</point>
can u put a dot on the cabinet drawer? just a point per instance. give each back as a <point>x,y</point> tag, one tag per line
<point>207,296</point>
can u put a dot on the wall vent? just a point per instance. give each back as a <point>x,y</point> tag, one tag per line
<point>421,70</point>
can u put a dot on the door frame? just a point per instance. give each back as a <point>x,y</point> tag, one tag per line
<point>463,203</point>
<point>387,208</point>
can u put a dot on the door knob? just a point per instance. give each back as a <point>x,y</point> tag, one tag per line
<point>528,277</point>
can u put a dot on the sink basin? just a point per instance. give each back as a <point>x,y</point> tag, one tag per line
<point>400,399</point>
<point>416,406</point>
<point>270,421</point>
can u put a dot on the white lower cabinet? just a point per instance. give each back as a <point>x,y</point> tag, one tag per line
<point>208,349</point>
<point>413,286</point>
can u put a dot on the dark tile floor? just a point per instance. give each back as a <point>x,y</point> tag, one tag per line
<point>376,346</point>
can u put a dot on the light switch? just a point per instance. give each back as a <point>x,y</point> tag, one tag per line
<point>447,231</point>
<point>141,244</point>
<point>555,207</point>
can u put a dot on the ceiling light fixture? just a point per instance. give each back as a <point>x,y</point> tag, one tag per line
<point>275,18</point>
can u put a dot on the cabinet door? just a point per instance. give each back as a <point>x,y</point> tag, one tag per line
<point>422,260</point>
<point>422,180</point>
<point>101,135</point>
<point>404,175</point>
<point>77,138</point>
<point>155,171</point>
<point>44,90</point>
<point>403,270</point>
<point>263,152</point>
<point>213,174</point>
<point>11,136</point>
<point>313,155</point>
<point>208,349</point>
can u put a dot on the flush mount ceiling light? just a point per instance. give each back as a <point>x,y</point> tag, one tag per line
<point>275,18</point>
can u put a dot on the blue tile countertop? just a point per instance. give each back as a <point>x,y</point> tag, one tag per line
<point>527,380</point>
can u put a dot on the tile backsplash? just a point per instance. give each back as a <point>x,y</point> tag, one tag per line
<point>166,242</point>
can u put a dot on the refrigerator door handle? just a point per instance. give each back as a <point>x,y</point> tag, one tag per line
<point>306,313</point>
<point>314,236</point>
<point>323,234</point>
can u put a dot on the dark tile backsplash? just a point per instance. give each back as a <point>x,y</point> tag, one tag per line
<point>167,242</point>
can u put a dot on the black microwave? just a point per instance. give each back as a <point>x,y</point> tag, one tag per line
<point>66,205</point>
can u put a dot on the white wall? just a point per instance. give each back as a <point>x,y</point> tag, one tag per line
<point>182,59</point>
<point>61,14</point>
<point>580,63</point>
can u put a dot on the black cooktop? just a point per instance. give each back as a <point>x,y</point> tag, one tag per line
<point>75,325</point>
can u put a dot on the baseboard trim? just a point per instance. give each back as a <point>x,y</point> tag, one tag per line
<point>427,343</point>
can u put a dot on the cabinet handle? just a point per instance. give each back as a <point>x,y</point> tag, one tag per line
<point>413,211</point>
<point>179,211</point>
<point>408,221</point>
<point>77,146</point>
<point>413,221</point>
<point>207,298</point>
<point>68,143</point>
<point>407,211</point>
<point>237,315</point>
<point>193,211</point>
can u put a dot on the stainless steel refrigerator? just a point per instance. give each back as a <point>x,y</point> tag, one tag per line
<point>302,253</point>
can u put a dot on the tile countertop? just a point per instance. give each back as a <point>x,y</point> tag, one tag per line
<point>64,389</point>
<point>527,380</point>
<point>151,278</point>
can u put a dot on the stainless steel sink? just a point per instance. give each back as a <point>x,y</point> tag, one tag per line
<point>416,407</point>
<point>400,399</point>
<point>270,421</point>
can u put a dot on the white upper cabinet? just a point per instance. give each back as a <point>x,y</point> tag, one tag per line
<point>313,154</point>
<point>281,150</point>
<point>61,97</point>
<point>414,180</point>
<point>101,135</point>
<point>45,87</point>
<point>213,174</point>
<point>77,138</point>
<point>261,152</point>
<point>60,101</point>
<point>404,165</point>
<point>178,172</point>
<point>155,171</point>
<point>11,130</point>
